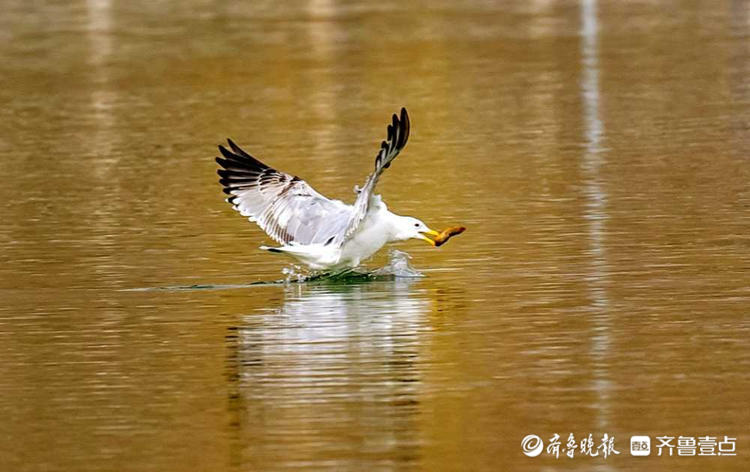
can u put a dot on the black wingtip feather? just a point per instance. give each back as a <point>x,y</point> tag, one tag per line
<point>238,150</point>
<point>238,161</point>
<point>405,125</point>
<point>226,153</point>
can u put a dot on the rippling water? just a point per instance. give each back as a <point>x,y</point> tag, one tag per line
<point>596,151</point>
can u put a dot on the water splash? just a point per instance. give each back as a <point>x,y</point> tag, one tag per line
<point>295,274</point>
<point>397,267</point>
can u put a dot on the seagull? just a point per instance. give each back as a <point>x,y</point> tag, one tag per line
<point>322,233</point>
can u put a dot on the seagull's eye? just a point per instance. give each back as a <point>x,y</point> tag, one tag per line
<point>416,225</point>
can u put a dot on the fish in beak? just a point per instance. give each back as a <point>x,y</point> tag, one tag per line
<point>430,236</point>
<point>438,239</point>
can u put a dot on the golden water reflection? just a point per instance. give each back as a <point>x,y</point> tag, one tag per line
<point>596,151</point>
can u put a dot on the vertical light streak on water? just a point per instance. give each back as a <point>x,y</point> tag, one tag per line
<point>99,24</point>
<point>100,116</point>
<point>102,95</point>
<point>322,41</point>
<point>595,211</point>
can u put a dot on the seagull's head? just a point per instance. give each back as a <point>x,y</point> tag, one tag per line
<point>413,228</point>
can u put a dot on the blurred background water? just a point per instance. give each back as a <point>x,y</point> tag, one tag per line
<point>597,152</point>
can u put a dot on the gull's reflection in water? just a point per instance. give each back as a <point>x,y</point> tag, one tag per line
<point>332,374</point>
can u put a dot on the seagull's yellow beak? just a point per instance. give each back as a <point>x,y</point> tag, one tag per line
<point>426,236</point>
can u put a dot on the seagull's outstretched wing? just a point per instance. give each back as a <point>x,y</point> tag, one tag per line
<point>284,206</point>
<point>398,134</point>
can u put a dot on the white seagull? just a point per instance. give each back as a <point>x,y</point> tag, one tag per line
<point>325,234</point>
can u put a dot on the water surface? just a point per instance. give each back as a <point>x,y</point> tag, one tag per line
<point>596,151</point>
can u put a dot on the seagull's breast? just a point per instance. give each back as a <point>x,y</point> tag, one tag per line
<point>373,233</point>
